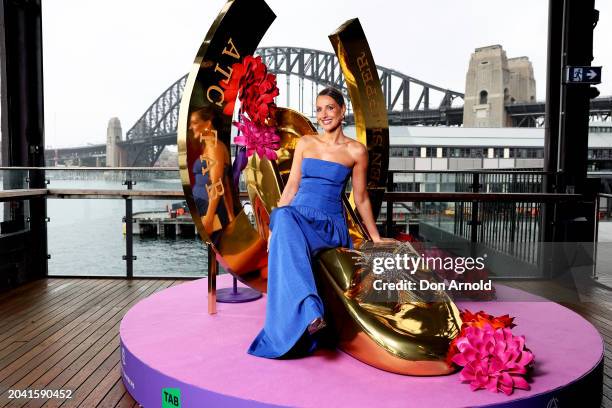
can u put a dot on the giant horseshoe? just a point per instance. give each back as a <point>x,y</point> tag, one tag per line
<point>419,345</point>
<point>238,247</point>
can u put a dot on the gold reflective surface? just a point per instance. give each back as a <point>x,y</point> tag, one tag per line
<point>204,141</point>
<point>410,338</point>
<point>371,123</point>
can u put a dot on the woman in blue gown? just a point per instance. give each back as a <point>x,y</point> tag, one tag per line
<point>310,217</point>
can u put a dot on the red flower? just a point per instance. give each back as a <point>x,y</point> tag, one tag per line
<point>251,83</point>
<point>480,319</point>
<point>232,87</point>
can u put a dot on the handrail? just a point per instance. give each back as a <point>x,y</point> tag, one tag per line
<point>101,193</point>
<point>473,171</point>
<point>79,168</point>
<point>72,168</point>
<point>506,197</point>
<point>7,195</point>
<point>24,194</point>
<point>388,196</point>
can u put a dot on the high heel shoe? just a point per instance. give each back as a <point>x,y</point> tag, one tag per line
<point>316,325</point>
<point>412,340</point>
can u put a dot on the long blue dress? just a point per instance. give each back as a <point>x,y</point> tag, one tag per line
<point>200,194</point>
<point>314,220</point>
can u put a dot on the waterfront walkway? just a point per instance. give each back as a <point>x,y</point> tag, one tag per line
<point>63,333</point>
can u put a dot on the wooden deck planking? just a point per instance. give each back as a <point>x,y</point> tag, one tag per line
<point>82,355</point>
<point>67,322</point>
<point>63,333</point>
<point>24,325</point>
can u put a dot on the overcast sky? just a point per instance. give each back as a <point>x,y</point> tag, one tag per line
<point>115,57</point>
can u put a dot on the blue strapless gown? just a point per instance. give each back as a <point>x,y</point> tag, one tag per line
<point>314,220</point>
<point>200,194</point>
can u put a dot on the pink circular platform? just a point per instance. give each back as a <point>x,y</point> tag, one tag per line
<point>170,341</point>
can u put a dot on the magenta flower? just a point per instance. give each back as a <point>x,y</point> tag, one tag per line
<point>494,359</point>
<point>257,138</point>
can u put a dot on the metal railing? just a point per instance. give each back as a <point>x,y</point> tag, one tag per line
<point>511,223</point>
<point>603,212</point>
<point>499,209</point>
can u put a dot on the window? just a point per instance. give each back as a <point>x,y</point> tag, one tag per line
<point>477,152</point>
<point>396,152</point>
<point>527,153</point>
<point>403,151</point>
<point>483,97</point>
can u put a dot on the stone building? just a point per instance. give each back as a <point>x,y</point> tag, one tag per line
<point>492,82</point>
<point>115,155</point>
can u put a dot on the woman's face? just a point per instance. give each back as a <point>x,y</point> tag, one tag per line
<point>329,113</point>
<point>200,128</point>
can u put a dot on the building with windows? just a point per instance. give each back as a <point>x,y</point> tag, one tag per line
<point>461,148</point>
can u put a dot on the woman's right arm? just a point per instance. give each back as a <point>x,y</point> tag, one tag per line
<point>295,174</point>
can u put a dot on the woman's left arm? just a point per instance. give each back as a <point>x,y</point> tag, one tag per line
<point>360,193</point>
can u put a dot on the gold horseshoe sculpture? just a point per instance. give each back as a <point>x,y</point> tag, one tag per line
<point>213,202</point>
<point>409,338</point>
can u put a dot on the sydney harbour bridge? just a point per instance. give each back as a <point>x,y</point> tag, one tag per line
<point>409,101</point>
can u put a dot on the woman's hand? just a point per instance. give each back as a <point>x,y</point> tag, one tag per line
<point>383,239</point>
<point>268,247</point>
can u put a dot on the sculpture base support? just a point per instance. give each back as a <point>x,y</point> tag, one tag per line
<point>169,341</point>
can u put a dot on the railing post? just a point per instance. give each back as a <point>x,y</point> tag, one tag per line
<point>212,279</point>
<point>389,219</point>
<point>129,233</point>
<point>514,218</point>
<point>474,221</point>
<point>595,237</point>
<point>439,189</point>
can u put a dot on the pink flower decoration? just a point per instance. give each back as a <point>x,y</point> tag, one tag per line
<point>257,138</point>
<point>493,359</point>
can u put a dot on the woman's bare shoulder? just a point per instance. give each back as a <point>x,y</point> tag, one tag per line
<point>306,141</point>
<point>309,137</point>
<point>357,149</point>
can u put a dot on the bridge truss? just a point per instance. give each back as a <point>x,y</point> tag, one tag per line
<point>409,101</point>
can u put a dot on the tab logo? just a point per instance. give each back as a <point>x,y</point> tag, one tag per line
<point>171,398</point>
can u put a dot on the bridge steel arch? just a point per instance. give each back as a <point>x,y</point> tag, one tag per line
<point>157,126</point>
<point>322,67</point>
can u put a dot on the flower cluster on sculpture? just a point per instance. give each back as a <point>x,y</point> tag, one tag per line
<point>492,357</point>
<point>255,88</point>
<point>257,138</point>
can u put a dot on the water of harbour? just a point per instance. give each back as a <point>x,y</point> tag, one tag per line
<point>85,237</point>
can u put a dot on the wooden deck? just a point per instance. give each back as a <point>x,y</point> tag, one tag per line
<point>63,333</point>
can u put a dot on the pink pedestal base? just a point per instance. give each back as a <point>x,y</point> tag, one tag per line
<point>170,341</point>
